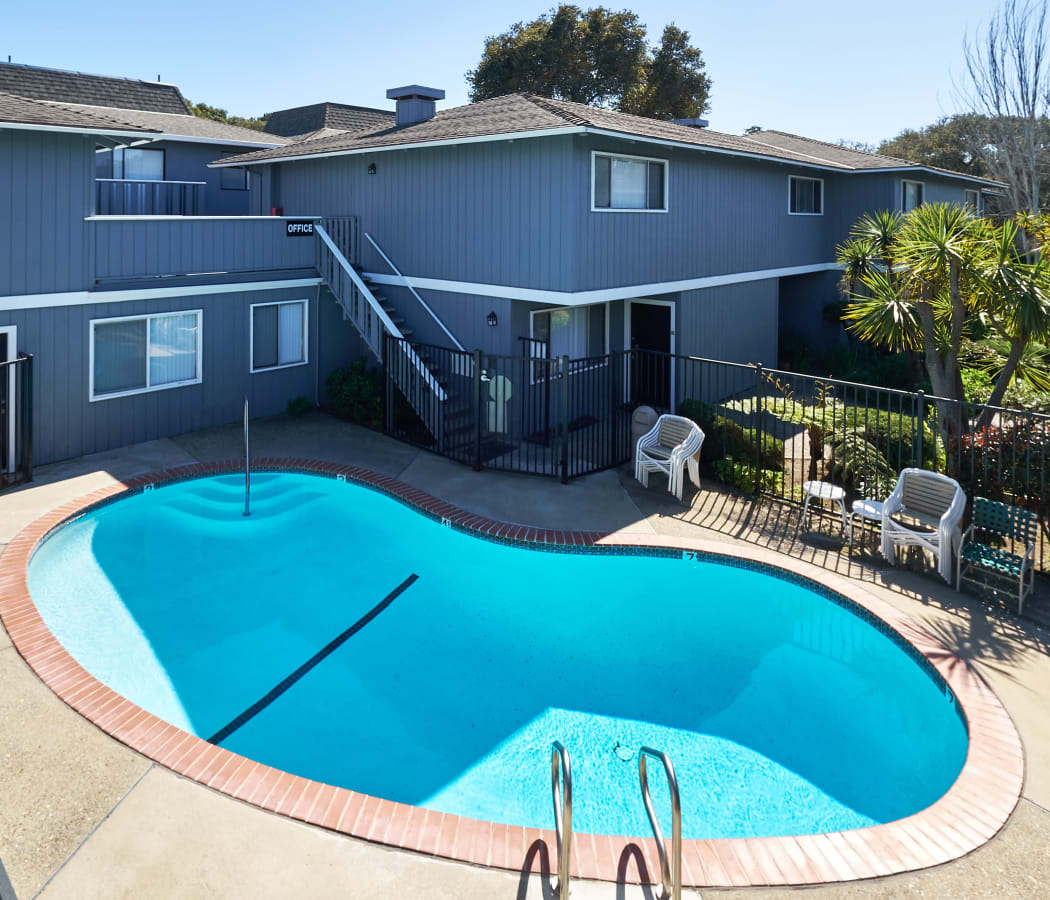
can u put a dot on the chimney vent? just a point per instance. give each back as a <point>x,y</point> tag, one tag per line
<point>691,123</point>
<point>415,103</point>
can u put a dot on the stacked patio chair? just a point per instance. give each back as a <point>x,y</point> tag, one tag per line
<point>924,510</point>
<point>982,558</point>
<point>671,444</point>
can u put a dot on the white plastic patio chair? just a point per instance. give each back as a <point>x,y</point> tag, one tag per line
<point>935,504</point>
<point>671,444</point>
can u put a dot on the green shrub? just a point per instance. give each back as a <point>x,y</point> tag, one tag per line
<point>725,438</point>
<point>298,407</point>
<point>356,394</point>
<point>741,475</point>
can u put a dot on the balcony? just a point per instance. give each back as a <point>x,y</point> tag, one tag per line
<point>142,197</point>
<point>163,251</point>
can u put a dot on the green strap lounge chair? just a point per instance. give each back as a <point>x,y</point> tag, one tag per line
<point>989,544</point>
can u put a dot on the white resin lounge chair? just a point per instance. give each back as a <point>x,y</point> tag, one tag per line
<point>924,510</point>
<point>672,443</point>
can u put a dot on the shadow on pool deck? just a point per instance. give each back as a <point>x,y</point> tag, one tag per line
<point>128,829</point>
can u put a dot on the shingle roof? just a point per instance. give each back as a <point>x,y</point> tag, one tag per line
<point>302,121</point>
<point>187,126</point>
<point>517,113</point>
<point>39,83</point>
<point>26,111</point>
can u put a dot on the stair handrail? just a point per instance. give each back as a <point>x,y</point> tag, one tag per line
<point>561,771</point>
<point>670,874</point>
<point>377,308</point>
<point>405,282</point>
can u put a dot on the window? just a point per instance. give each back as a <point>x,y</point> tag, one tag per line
<point>136,164</point>
<point>628,183</point>
<point>576,331</point>
<point>806,196</point>
<point>233,179</point>
<point>911,195</point>
<point>973,200</point>
<point>134,354</point>
<point>278,335</point>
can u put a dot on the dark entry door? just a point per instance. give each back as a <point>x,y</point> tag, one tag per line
<point>651,363</point>
<point>5,397</point>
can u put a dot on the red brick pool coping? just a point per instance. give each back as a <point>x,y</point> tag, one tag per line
<point>971,813</point>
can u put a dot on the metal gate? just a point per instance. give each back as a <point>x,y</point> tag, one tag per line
<point>16,418</point>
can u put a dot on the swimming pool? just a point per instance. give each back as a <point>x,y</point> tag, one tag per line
<point>784,711</point>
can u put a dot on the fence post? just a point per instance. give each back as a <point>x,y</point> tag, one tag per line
<point>757,431</point>
<point>27,420</point>
<point>565,420</point>
<point>920,427</point>
<point>477,410</point>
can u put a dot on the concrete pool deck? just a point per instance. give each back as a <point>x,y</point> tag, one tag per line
<point>125,827</point>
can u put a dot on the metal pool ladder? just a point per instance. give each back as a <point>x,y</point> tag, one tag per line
<point>670,872</point>
<point>561,771</point>
<point>247,466</point>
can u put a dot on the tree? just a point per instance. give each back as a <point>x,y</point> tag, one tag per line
<point>1008,81</point>
<point>924,280</point>
<point>596,57</point>
<point>952,142</point>
<point>674,84</point>
<point>204,111</point>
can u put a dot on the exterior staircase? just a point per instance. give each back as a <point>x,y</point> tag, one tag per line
<point>374,317</point>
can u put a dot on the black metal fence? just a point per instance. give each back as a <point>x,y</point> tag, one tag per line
<point>558,417</point>
<point>767,431</point>
<point>16,420</point>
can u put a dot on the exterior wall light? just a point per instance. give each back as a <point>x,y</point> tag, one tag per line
<point>371,168</point>
<point>492,320</point>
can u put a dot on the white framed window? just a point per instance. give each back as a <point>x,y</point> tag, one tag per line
<point>805,196</point>
<point>911,195</point>
<point>279,335</point>
<point>622,183</point>
<point>136,354</point>
<point>973,200</point>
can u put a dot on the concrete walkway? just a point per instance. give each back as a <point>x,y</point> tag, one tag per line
<point>82,816</point>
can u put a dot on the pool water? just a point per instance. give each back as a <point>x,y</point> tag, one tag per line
<point>782,711</point>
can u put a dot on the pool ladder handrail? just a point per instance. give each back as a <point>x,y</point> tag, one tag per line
<point>561,771</point>
<point>247,465</point>
<point>670,871</point>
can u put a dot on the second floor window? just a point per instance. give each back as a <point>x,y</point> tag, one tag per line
<point>137,164</point>
<point>911,195</point>
<point>806,196</point>
<point>628,183</point>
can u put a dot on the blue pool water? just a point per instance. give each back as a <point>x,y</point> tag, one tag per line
<point>783,712</point>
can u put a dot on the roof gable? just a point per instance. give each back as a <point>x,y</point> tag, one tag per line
<point>304,120</point>
<point>37,83</point>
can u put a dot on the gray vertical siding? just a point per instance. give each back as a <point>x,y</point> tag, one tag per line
<point>46,183</point>
<point>723,215</point>
<point>189,162</point>
<point>67,424</point>
<point>802,302</point>
<point>178,246</point>
<point>487,212</point>
<point>736,322</point>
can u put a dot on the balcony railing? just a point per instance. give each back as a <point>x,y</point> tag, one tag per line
<point>141,197</point>
<point>160,248</point>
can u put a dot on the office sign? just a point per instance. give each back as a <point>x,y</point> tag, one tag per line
<point>299,228</point>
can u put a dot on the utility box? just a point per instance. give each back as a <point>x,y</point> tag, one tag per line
<point>642,421</point>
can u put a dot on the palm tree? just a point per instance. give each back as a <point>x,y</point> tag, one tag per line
<point>940,270</point>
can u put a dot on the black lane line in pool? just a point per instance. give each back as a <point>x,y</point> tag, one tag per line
<point>259,705</point>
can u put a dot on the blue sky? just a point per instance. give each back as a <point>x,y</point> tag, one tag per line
<point>824,69</point>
